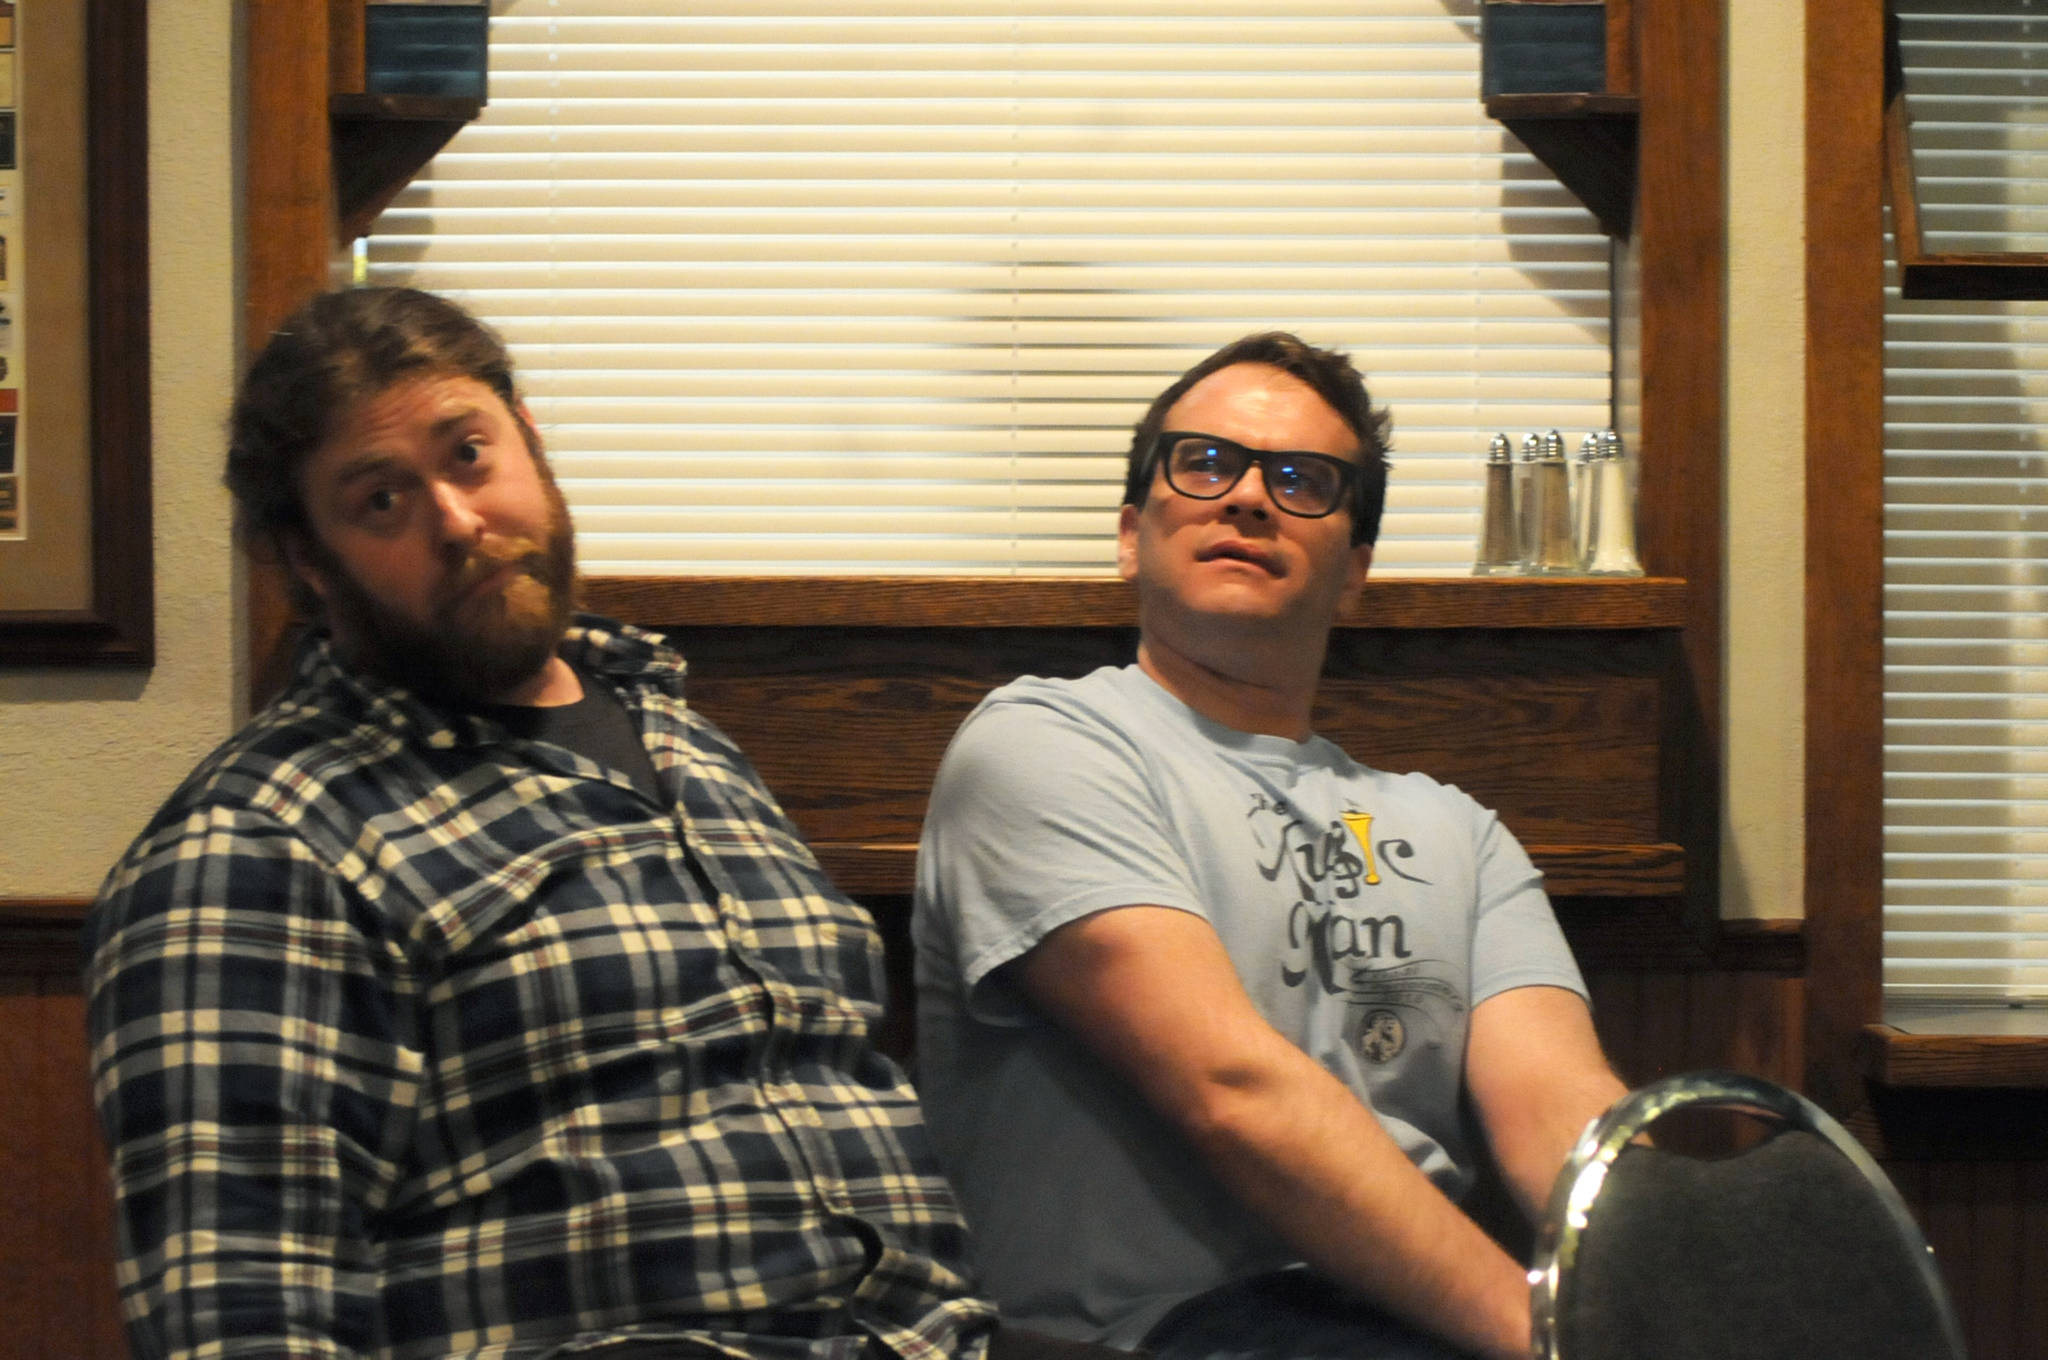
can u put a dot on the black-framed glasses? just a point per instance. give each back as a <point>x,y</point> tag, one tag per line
<point>1205,467</point>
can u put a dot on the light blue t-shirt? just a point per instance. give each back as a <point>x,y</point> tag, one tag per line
<point>1366,913</point>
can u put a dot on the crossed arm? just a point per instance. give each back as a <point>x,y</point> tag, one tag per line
<point>1152,992</point>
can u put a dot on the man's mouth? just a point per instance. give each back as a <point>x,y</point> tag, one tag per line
<point>485,577</point>
<point>484,573</point>
<point>1239,550</point>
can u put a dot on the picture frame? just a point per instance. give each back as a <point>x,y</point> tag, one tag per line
<point>106,451</point>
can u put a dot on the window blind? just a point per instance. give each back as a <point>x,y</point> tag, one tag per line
<point>880,286</point>
<point>1966,533</point>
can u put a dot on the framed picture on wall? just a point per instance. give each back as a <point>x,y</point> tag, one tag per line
<point>76,578</point>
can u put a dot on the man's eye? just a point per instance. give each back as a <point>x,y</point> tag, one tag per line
<point>470,451</point>
<point>382,501</point>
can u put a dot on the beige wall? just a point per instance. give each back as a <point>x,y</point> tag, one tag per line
<point>1762,836</point>
<point>85,756</point>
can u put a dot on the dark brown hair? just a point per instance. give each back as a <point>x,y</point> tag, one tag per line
<point>1333,378</point>
<point>336,352</point>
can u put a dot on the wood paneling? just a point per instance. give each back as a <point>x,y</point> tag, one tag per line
<point>1844,537</point>
<point>1558,731</point>
<point>679,602</point>
<point>288,228</point>
<point>1680,245</point>
<point>57,1295</point>
<point>1988,1224</point>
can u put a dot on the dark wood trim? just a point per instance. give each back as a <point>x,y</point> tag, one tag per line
<point>380,142</point>
<point>1901,190</point>
<point>119,627</point>
<point>288,224</point>
<point>346,39</point>
<point>1105,602</point>
<point>1893,1057</point>
<point>1587,140</point>
<point>1949,1126</point>
<point>1763,946</point>
<point>1621,47</point>
<point>1844,539</point>
<point>1958,275</point>
<point>1608,871</point>
<point>1611,933</point>
<point>40,936</point>
<point>1681,225</point>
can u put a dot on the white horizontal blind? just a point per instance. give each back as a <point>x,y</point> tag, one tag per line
<point>1966,532</point>
<point>880,286</point>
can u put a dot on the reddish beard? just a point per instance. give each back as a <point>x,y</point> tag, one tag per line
<point>481,640</point>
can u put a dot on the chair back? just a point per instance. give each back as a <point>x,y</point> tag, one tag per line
<point>1796,1246</point>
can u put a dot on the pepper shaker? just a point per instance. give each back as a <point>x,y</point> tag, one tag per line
<point>1498,552</point>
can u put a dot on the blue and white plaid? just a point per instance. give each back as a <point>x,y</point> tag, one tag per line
<point>414,1038</point>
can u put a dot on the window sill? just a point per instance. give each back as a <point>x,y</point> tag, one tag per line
<point>1433,602</point>
<point>1981,1048</point>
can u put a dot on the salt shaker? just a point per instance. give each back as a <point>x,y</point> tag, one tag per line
<point>1582,498</point>
<point>1614,517</point>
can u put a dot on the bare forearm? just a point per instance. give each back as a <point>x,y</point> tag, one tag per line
<point>1537,1077</point>
<point>1298,1150</point>
<point>1156,996</point>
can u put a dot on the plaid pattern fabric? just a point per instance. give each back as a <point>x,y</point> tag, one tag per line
<point>413,1038</point>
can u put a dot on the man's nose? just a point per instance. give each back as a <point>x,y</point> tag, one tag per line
<point>456,516</point>
<point>1249,494</point>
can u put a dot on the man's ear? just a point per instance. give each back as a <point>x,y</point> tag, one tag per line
<point>1355,568</point>
<point>1127,542</point>
<point>300,558</point>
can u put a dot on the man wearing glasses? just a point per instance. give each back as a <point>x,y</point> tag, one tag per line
<point>1215,1022</point>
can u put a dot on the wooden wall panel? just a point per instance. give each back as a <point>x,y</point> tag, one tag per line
<point>1680,247</point>
<point>1988,1224</point>
<point>1657,1022</point>
<point>1558,730</point>
<point>1844,538</point>
<point>57,1294</point>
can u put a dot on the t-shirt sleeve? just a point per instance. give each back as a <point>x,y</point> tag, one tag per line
<point>1038,817</point>
<point>1516,941</point>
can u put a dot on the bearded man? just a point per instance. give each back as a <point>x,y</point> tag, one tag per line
<point>476,997</point>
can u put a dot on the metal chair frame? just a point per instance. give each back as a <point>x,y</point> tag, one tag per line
<point>1585,1171</point>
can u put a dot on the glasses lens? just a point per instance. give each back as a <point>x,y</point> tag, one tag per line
<point>1306,486</point>
<point>1203,468</point>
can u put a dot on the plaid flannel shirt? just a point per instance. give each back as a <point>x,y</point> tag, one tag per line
<point>413,1038</point>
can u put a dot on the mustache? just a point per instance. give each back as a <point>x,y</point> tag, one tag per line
<point>492,555</point>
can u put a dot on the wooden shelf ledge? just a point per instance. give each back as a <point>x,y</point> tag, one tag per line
<point>679,602</point>
<point>1893,1057</point>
